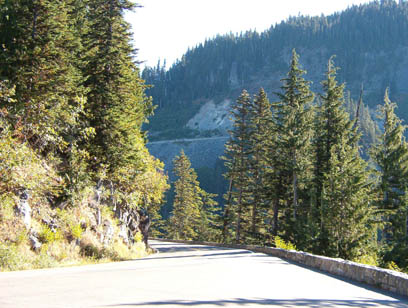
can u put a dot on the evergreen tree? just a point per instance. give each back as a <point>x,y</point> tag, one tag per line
<point>237,151</point>
<point>193,214</point>
<point>332,122</point>
<point>347,211</point>
<point>209,224</point>
<point>116,103</point>
<point>294,124</point>
<point>260,119</point>
<point>391,157</point>
<point>341,182</point>
<point>38,43</point>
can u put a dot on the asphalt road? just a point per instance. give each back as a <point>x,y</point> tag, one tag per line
<point>188,276</point>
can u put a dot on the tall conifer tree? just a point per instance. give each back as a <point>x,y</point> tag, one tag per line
<point>294,124</point>
<point>260,120</point>
<point>332,122</point>
<point>341,182</point>
<point>116,103</point>
<point>347,211</point>
<point>391,156</point>
<point>237,151</point>
<point>194,210</point>
<point>38,43</point>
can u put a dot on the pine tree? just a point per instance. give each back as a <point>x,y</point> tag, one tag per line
<point>341,208</point>
<point>391,157</point>
<point>237,151</point>
<point>332,122</point>
<point>209,224</point>
<point>185,219</point>
<point>116,103</point>
<point>260,119</point>
<point>347,211</point>
<point>37,44</point>
<point>294,125</point>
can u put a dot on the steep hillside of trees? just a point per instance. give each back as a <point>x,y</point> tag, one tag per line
<point>74,170</point>
<point>369,41</point>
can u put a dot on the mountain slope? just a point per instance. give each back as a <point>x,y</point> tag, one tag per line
<point>370,43</point>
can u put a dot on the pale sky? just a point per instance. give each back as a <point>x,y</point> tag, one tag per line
<point>165,29</point>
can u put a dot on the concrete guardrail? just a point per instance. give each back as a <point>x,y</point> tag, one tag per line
<point>381,278</point>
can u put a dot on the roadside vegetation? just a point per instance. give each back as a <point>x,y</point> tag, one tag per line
<point>77,184</point>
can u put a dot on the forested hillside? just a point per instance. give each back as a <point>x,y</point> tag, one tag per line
<point>76,178</point>
<point>296,172</point>
<point>370,43</point>
<point>307,163</point>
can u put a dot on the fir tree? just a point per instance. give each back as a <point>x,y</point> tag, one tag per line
<point>193,214</point>
<point>116,104</point>
<point>332,122</point>
<point>237,151</point>
<point>347,211</point>
<point>294,125</point>
<point>37,57</point>
<point>260,119</point>
<point>391,157</point>
<point>209,224</point>
<point>341,182</point>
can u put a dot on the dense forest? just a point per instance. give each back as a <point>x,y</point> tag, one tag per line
<point>297,176</point>
<point>369,42</point>
<point>73,161</point>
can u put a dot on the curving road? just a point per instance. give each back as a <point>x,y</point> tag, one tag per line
<point>188,276</point>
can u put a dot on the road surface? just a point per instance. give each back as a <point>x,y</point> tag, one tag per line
<point>188,276</point>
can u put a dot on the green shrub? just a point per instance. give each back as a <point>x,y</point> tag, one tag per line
<point>43,260</point>
<point>76,231</point>
<point>368,260</point>
<point>7,203</point>
<point>10,259</point>
<point>47,236</point>
<point>280,243</point>
<point>22,237</point>
<point>138,237</point>
<point>392,266</point>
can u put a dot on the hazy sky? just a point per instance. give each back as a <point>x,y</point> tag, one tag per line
<point>165,29</point>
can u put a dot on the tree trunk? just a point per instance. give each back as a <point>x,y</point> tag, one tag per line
<point>406,225</point>
<point>275,216</point>
<point>295,189</point>
<point>227,212</point>
<point>254,214</point>
<point>295,195</point>
<point>35,16</point>
<point>238,231</point>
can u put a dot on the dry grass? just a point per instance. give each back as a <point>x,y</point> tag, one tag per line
<point>76,242</point>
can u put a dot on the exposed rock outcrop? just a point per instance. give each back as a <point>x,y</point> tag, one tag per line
<point>23,209</point>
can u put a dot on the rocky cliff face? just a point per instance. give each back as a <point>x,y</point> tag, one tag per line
<point>212,117</point>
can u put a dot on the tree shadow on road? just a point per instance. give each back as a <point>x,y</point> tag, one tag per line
<point>186,248</point>
<point>215,255</point>
<point>363,302</point>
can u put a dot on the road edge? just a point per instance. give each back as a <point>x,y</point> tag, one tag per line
<point>384,279</point>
